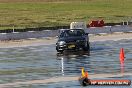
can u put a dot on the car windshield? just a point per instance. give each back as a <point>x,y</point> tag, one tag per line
<point>71,33</point>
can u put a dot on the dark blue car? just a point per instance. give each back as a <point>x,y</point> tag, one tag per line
<point>72,39</point>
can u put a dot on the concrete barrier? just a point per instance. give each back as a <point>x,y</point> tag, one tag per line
<point>97,30</point>
<point>53,33</point>
<point>109,29</point>
<point>26,35</point>
<point>121,29</point>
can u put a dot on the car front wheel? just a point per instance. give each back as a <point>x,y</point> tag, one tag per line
<point>60,51</point>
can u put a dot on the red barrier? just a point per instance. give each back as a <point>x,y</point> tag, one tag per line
<point>96,23</point>
<point>101,23</point>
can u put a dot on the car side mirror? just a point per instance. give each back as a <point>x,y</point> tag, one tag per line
<point>86,33</point>
<point>57,36</point>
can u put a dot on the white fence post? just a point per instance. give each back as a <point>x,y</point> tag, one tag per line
<point>13,28</point>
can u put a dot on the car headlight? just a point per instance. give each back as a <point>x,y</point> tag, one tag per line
<point>61,42</point>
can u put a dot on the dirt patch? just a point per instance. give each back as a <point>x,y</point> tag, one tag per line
<point>27,42</point>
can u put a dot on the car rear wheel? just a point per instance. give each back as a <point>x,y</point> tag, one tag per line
<point>87,48</point>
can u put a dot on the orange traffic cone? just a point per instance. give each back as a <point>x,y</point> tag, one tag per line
<point>86,74</point>
<point>122,56</point>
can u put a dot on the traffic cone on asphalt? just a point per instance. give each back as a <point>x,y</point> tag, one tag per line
<point>86,74</point>
<point>122,56</point>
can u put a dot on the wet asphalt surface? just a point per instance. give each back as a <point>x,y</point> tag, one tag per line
<point>42,62</point>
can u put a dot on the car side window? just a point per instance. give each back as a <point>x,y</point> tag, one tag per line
<point>63,34</point>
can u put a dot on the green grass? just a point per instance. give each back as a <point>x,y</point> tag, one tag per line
<point>41,14</point>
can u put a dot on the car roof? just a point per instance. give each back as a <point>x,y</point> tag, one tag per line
<point>62,30</point>
<point>69,29</point>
